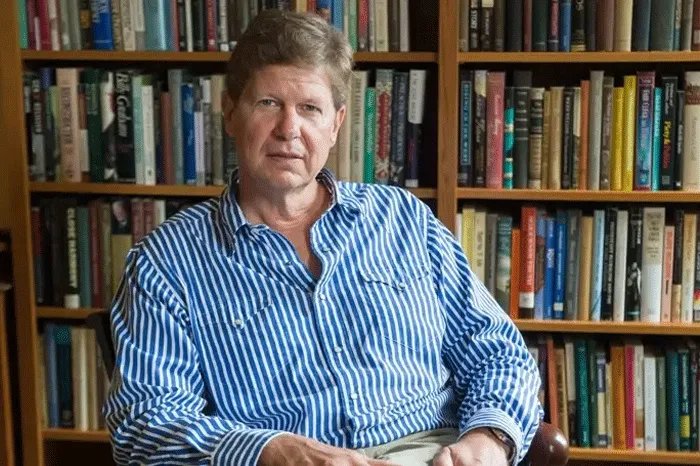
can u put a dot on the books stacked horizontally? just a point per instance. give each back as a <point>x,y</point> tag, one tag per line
<point>618,264</point>
<point>633,132</point>
<point>579,25</point>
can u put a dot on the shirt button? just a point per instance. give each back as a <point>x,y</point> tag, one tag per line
<point>322,296</point>
<point>402,285</point>
<point>325,249</point>
<point>238,322</point>
<point>338,349</point>
<point>354,396</point>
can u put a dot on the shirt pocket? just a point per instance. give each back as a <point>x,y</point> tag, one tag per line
<point>239,345</point>
<point>403,304</point>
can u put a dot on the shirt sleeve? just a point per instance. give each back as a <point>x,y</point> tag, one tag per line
<point>496,379</point>
<point>155,409</point>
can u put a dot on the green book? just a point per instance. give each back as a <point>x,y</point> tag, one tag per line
<point>23,34</point>
<point>672,400</point>
<point>582,391</point>
<point>352,24</point>
<point>592,392</point>
<point>661,429</point>
<point>370,128</point>
<point>684,379</point>
<point>91,79</point>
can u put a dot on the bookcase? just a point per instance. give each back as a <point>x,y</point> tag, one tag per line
<point>435,35</point>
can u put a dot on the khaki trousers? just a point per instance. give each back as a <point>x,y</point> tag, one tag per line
<point>417,449</point>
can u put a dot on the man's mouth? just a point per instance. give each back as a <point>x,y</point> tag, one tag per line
<point>286,155</point>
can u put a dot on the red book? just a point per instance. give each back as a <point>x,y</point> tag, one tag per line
<point>527,26</point>
<point>495,88</point>
<point>148,216</point>
<point>528,238</point>
<point>362,24</point>
<point>137,229</point>
<point>514,273</point>
<point>696,26</point>
<point>211,27</point>
<point>44,24</point>
<point>33,26</point>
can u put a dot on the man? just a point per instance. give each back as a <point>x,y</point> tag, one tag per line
<point>300,320</point>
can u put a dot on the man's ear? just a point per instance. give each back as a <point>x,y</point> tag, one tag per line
<point>229,110</point>
<point>338,122</point>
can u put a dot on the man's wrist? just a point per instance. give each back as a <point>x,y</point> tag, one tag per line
<point>500,438</point>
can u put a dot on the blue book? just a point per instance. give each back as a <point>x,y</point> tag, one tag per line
<point>175,77</point>
<point>645,130</point>
<point>656,154</point>
<point>503,261</point>
<point>550,246</point>
<point>157,17</point>
<point>560,266</point>
<point>540,253</point>
<point>508,137</point>
<point>51,376</point>
<point>464,177</point>
<point>565,25</point>
<point>64,374</point>
<point>188,142</point>
<point>597,263</point>
<point>336,14</point>
<point>102,37</point>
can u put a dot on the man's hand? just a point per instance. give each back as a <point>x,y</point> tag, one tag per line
<point>478,447</point>
<point>294,450</point>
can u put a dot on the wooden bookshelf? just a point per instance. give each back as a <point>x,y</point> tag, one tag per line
<point>7,443</point>
<point>73,435</point>
<point>666,197</point>
<point>612,328</point>
<point>46,312</point>
<point>200,57</point>
<point>578,57</point>
<point>633,456</point>
<point>127,189</point>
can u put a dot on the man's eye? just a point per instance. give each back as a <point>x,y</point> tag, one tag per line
<point>267,102</point>
<point>311,108</point>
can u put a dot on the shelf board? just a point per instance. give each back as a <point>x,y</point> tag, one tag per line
<point>127,189</point>
<point>567,195</point>
<point>578,57</point>
<point>619,328</point>
<point>201,57</point>
<point>73,435</point>
<point>46,312</point>
<point>634,456</point>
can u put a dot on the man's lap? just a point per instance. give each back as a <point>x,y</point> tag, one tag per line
<point>417,449</point>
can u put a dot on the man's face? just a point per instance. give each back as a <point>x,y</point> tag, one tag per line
<point>284,124</point>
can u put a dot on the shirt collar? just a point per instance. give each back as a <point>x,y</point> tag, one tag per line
<point>232,217</point>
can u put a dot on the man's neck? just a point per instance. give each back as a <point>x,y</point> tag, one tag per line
<point>289,211</point>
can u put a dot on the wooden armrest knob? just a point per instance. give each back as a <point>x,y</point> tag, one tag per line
<point>549,447</point>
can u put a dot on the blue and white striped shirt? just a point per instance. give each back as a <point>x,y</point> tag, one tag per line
<point>224,339</point>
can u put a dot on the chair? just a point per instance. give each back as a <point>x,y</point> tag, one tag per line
<point>549,447</point>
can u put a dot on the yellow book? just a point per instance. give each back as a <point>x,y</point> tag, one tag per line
<point>584,280</point>
<point>629,127</point>
<point>468,232</point>
<point>617,146</point>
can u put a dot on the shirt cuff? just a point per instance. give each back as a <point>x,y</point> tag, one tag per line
<point>493,417</point>
<point>242,447</point>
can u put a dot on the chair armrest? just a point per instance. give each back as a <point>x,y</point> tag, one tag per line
<point>549,447</point>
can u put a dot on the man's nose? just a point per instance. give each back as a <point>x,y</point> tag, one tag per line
<point>288,126</point>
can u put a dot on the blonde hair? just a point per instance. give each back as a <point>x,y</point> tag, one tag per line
<point>278,37</point>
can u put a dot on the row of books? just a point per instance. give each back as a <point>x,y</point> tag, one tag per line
<point>73,381</point>
<point>79,248</point>
<point>198,25</point>
<point>579,25</point>
<point>616,264</point>
<point>624,394</point>
<point>640,135</point>
<point>135,127</point>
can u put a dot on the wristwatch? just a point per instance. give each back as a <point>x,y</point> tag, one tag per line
<point>506,441</point>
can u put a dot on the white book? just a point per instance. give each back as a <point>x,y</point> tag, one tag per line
<point>623,25</point>
<point>358,88</point>
<point>64,28</point>
<point>189,37</point>
<point>458,227</point>
<point>404,36</point>
<point>54,25</point>
<point>149,143</point>
<point>688,279</point>
<point>691,132</point>
<point>139,23</point>
<point>381,25</point>
<point>223,25</point>
<point>620,277</point>
<point>158,212</point>
<point>649,401</point>
<point>200,170</point>
<point>479,264</point>
<point>67,80</point>
<point>652,263</point>
<point>128,32</point>
<point>570,374</point>
<point>94,407</point>
<point>595,120</point>
<point>371,46</point>
<point>79,378</point>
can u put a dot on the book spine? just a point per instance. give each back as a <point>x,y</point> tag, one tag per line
<point>540,19</point>
<point>689,253</point>
<point>667,284</point>
<point>606,132</point>
<point>508,137</point>
<point>606,26</point>
<point>680,143</point>
<point>572,269</point>
<point>691,132</point>
<point>560,266</point>
<point>494,129</point>
<point>416,104</point>
<point>595,120</point>
<point>591,24</point>
<point>645,123</point>
<point>528,236</point>
<point>652,262</point>
<point>564,25</point>
<point>656,145</point>
<point>618,131</point>
<point>503,265</point>
<point>102,32</point>
<point>578,26</point>
<point>522,81</point>
<point>684,383</point>
<point>661,31</point>
<point>677,280</point>
<point>567,138</point>
<point>465,174</point>
<point>669,130</point>
<point>673,401</point>
<point>555,156</point>
<point>634,264</point>
<point>629,140</point>
<point>582,388</point>
<point>687,26</point>
<point>370,110</point>
<point>540,251</point>
<point>480,135</point>
<point>608,273</point>
<point>642,25</point>
<point>536,136</point>
<point>514,26</point>
<point>597,258</point>
<point>549,268</point>
<point>583,151</point>
<point>623,25</point>
<point>620,246</point>
<point>474,25</point>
